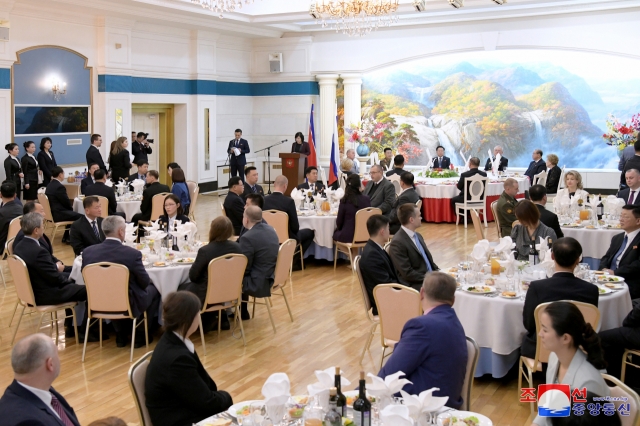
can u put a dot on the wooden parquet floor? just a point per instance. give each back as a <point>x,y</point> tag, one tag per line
<point>329,330</point>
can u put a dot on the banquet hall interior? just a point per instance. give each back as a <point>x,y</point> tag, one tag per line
<point>489,80</point>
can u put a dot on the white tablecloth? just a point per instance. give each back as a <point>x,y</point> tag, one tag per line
<point>594,242</point>
<point>450,190</point>
<point>129,208</point>
<point>324,227</point>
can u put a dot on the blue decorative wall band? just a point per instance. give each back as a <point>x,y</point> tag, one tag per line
<point>5,78</point>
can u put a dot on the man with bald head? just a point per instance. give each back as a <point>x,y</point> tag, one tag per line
<point>504,162</point>
<point>30,399</point>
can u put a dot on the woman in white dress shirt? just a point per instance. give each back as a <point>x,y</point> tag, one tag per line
<point>572,189</point>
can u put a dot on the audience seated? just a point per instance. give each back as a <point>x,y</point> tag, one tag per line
<point>172,211</point>
<point>10,209</point>
<point>171,167</point>
<point>631,194</point>
<point>529,230</point>
<point>573,188</point>
<point>352,201</point>
<point>153,188</point>
<point>576,354</point>
<point>440,161</point>
<point>387,161</point>
<point>474,163</point>
<point>351,155</point>
<point>504,162</point>
<point>30,399</point>
<point>623,256</point>
<point>536,166</point>
<point>260,245</point>
<point>178,389</point>
<point>61,206</point>
<point>538,196</point>
<point>408,251</point>
<point>34,206</point>
<point>376,266</point>
<point>506,207</point>
<point>553,174</point>
<point>432,351</point>
<point>141,173</point>
<point>632,163</point>
<point>616,340</point>
<point>253,200</point>
<point>380,191</point>
<point>312,183</point>
<point>99,188</point>
<point>407,196</point>
<point>566,253</point>
<point>398,166</point>
<point>87,230</point>
<point>143,296</point>
<point>180,189</point>
<point>251,183</point>
<point>89,180</point>
<point>234,204</point>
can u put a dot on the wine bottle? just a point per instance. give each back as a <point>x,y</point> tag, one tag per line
<point>174,239</point>
<point>600,209</point>
<point>533,254</point>
<point>333,418</point>
<point>362,406</point>
<point>342,400</point>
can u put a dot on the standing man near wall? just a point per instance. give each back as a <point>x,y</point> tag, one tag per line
<point>140,148</point>
<point>93,153</point>
<point>238,147</point>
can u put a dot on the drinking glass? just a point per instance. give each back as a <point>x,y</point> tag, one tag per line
<point>276,413</point>
<point>257,413</point>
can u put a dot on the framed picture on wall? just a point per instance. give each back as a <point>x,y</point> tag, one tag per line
<point>48,120</point>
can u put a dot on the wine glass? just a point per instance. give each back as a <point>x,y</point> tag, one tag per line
<point>150,244</point>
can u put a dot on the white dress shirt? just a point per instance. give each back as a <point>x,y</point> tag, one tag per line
<point>630,238</point>
<point>44,395</point>
<point>188,343</point>
<point>34,158</point>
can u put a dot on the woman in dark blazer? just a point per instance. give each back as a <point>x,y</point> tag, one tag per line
<point>553,174</point>
<point>30,170</point>
<point>178,389</point>
<point>172,211</point>
<point>301,147</point>
<point>119,160</point>
<point>13,167</point>
<point>352,201</point>
<point>46,160</point>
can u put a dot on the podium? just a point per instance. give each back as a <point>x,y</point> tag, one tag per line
<point>293,169</point>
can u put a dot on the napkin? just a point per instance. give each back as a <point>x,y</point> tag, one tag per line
<point>423,403</point>
<point>138,185</point>
<point>396,415</point>
<point>326,380</point>
<point>480,250</point>
<point>277,385</point>
<point>594,200</point>
<point>385,389</point>
<point>338,194</point>
<point>109,183</point>
<point>505,244</point>
<point>297,195</point>
<point>188,228</point>
<point>615,205</point>
<point>496,164</point>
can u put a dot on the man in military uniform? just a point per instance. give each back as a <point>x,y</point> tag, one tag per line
<point>507,206</point>
<point>387,161</point>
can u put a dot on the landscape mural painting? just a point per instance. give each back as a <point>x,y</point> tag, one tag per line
<point>557,101</point>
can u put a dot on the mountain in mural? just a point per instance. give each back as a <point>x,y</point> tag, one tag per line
<point>517,79</point>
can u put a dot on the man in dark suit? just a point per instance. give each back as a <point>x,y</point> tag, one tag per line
<point>566,252</point>
<point>93,155</point>
<point>440,161</point>
<point>143,168</point>
<point>538,195</point>
<point>376,266</point>
<point>407,196</point>
<point>234,204</point>
<point>616,340</point>
<point>30,399</point>
<point>631,194</point>
<point>380,190</point>
<point>153,188</point>
<point>536,166</point>
<point>260,245</point>
<point>632,163</point>
<point>504,162</point>
<point>11,208</point>
<point>140,148</point>
<point>432,351</point>
<point>279,201</point>
<point>99,188</point>
<point>89,180</point>
<point>87,230</point>
<point>474,163</point>
<point>143,295</point>
<point>61,206</point>
<point>251,183</point>
<point>238,147</point>
<point>312,181</point>
<point>408,251</point>
<point>398,166</point>
<point>253,200</point>
<point>623,256</point>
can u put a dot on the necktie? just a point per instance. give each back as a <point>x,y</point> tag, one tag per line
<point>95,229</point>
<point>614,261</point>
<point>421,250</point>
<point>57,407</point>
<point>439,162</point>
<point>237,142</point>
<point>632,197</point>
<point>253,188</point>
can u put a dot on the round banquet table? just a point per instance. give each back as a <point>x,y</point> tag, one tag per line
<point>496,325</point>
<point>129,208</point>
<point>322,246</point>
<point>594,242</point>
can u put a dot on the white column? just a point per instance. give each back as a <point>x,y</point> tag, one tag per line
<point>328,84</point>
<point>352,100</point>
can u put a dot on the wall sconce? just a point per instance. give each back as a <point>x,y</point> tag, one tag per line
<point>58,89</point>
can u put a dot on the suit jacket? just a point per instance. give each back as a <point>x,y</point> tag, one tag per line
<point>147,195</point>
<point>504,163</point>
<point>82,235</point>
<point>178,390</point>
<point>120,165</point>
<point>44,242</point>
<point>140,152</point>
<point>61,207</point>
<point>632,163</point>
<point>376,268</point>
<point>384,196</point>
<point>260,245</point>
<point>12,170</point>
<point>85,183</point>
<point>395,171</point>
<point>446,162</point>
<point>102,190</point>
<point>550,219</point>
<point>199,272</point>
<point>629,265</point>
<point>408,260</point>
<point>93,156</point>
<point>319,186</point>
<point>241,159</point>
<point>140,294</point>
<point>468,174</point>
<point>46,163</point>
<point>19,406</point>
<point>553,179</point>
<point>561,286</point>
<point>304,149</point>
<point>29,168</point>
<point>534,168</point>
<point>134,176</point>
<point>432,352</point>
<point>624,194</point>
<point>8,212</point>
<point>386,164</point>
<point>234,209</point>
<point>346,220</point>
<point>279,201</point>
<point>409,196</point>
<point>248,190</point>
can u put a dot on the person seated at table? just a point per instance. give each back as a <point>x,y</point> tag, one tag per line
<point>632,163</point>
<point>352,201</point>
<point>576,353</point>
<point>408,251</point>
<point>180,189</point>
<point>100,188</point>
<point>432,351</point>
<point>11,208</point>
<point>376,266</point>
<point>387,161</point>
<point>34,206</point>
<point>623,257</point>
<point>171,167</point>
<point>89,180</point>
<point>351,155</point>
<point>234,204</point>
<point>260,244</point>
<point>631,194</point>
<point>219,245</point>
<point>398,166</point>
<point>153,188</point>
<point>177,388</point>
<point>538,196</point>
<point>573,188</point>
<point>61,206</point>
<point>474,163</point>
<point>507,205</point>
<point>504,162</point>
<point>87,230</point>
<point>312,183</point>
<point>141,173</point>
<point>553,174</point>
<point>143,295</point>
<point>172,211</point>
<point>563,285</point>
<point>536,166</point>
<point>407,196</point>
<point>529,230</point>
<point>440,161</point>
<point>380,190</point>
<point>251,182</point>
<point>253,200</point>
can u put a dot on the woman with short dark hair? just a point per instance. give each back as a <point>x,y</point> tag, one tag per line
<point>300,146</point>
<point>46,160</point>
<point>352,201</point>
<point>530,229</point>
<point>180,189</point>
<point>31,170</point>
<point>172,211</point>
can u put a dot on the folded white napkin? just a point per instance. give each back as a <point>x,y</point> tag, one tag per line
<point>338,194</point>
<point>496,164</point>
<point>504,245</point>
<point>188,228</point>
<point>138,183</point>
<point>479,253</point>
<point>277,385</point>
<point>594,200</point>
<point>387,387</point>
<point>326,380</point>
<point>615,205</point>
<point>423,403</point>
<point>109,183</point>
<point>396,415</point>
<point>297,195</point>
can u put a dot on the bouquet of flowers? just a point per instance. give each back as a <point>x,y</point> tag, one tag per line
<point>366,131</point>
<point>439,174</point>
<point>622,134</point>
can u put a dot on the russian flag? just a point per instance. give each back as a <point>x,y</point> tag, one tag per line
<point>335,154</point>
<point>312,159</point>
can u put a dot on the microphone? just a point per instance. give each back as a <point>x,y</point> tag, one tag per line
<point>286,140</point>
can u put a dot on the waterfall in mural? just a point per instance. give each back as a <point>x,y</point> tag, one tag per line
<point>539,132</point>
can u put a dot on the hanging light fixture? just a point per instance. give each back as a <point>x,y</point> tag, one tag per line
<point>222,6</point>
<point>355,17</point>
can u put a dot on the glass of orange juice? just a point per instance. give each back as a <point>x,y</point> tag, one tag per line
<point>585,214</point>
<point>495,266</point>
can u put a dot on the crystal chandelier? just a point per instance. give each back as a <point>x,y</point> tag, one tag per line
<point>220,6</point>
<point>355,17</point>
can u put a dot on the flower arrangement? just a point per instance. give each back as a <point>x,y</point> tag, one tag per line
<point>622,134</point>
<point>438,174</point>
<point>368,130</point>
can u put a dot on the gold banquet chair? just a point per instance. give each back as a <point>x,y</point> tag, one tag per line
<point>374,320</point>
<point>48,216</point>
<point>157,208</point>
<point>477,225</point>
<point>104,204</point>
<point>620,390</point>
<point>627,359</point>
<point>473,351</point>
<point>360,235</point>
<point>496,219</point>
<point>14,228</point>
<point>279,221</point>
<point>194,191</point>
<point>137,375</point>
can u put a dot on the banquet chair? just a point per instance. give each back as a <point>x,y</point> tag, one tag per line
<point>395,180</point>
<point>360,235</point>
<point>224,290</point>
<point>157,208</point>
<point>473,354</point>
<point>419,205</point>
<point>224,213</point>
<point>24,291</point>
<point>374,320</point>
<point>281,275</point>
<point>14,228</point>
<point>194,191</point>
<point>627,359</point>
<point>561,182</point>
<point>137,375</point>
<point>396,304</point>
<point>279,220</point>
<point>541,356</point>
<point>48,216</point>
<point>619,390</point>
<point>494,211</point>
<point>477,225</point>
<point>373,158</point>
<point>109,300</point>
<point>104,203</point>
<point>475,197</point>
<point>590,312</point>
<point>540,178</point>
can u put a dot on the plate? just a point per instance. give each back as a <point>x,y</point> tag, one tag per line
<point>573,225</point>
<point>235,407</point>
<point>613,286</point>
<point>186,260</point>
<point>603,291</point>
<point>508,297</point>
<point>485,289</point>
<point>613,279</point>
<point>161,265</point>
<point>484,421</point>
